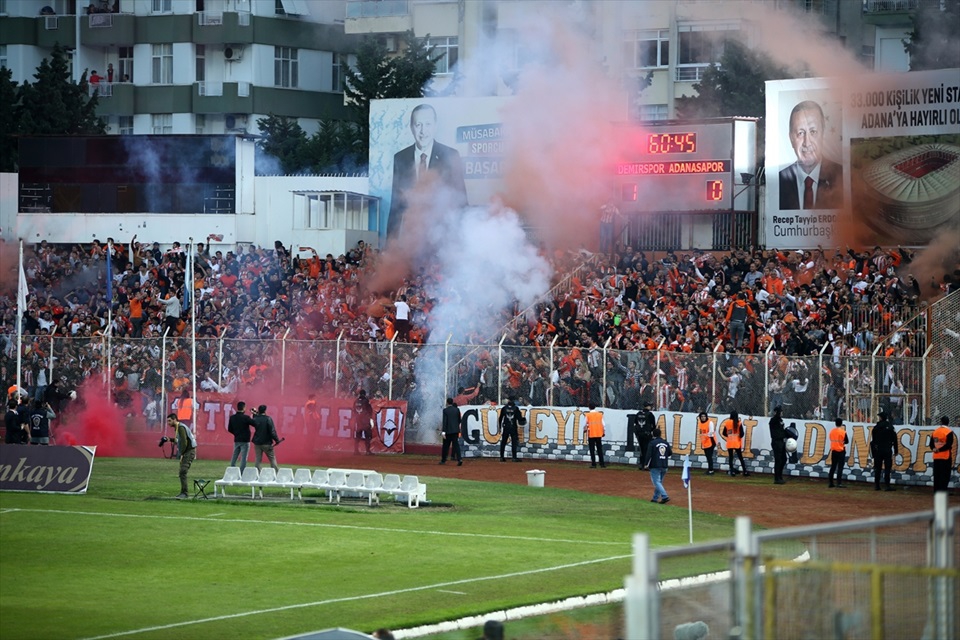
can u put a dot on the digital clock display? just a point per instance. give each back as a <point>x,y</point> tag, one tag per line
<point>682,142</point>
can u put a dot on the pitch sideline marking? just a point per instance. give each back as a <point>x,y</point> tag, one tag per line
<point>368,596</point>
<point>320,524</point>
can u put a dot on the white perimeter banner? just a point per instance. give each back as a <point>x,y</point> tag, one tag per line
<point>889,150</point>
<point>556,427</point>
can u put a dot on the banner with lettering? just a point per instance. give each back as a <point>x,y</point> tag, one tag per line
<point>53,469</point>
<point>873,159</point>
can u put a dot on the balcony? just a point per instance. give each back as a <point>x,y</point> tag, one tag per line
<point>378,16</point>
<point>889,6</point>
<point>691,72</point>
<point>376,8</point>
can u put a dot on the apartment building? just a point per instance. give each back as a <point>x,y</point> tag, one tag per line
<point>190,66</point>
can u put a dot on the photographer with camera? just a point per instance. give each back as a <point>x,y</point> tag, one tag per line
<point>186,444</point>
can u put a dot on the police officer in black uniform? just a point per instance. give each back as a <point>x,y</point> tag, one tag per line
<point>362,422</point>
<point>508,420</point>
<point>778,442</point>
<point>645,423</point>
<point>883,446</point>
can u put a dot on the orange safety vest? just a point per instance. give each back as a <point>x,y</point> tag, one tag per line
<point>940,440</point>
<point>594,424</point>
<point>837,438</point>
<point>706,440</point>
<point>733,434</point>
<point>185,409</point>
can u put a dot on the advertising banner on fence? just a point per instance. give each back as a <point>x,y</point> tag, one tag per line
<point>45,469</point>
<point>554,429</point>
<point>874,159</point>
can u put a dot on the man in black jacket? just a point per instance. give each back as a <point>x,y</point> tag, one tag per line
<point>264,437</point>
<point>778,442</point>
<point>645,422</point>
<point>239,425</point>
<point>362,422</point>
<point>883,446</point>
<point>450,430</point>
<point>508,420</point>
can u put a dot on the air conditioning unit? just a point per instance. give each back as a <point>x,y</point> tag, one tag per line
<point>235,122</point>
<point>390,43</point>
<point>233,52</point>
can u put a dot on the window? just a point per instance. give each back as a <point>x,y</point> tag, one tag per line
<point>336,72</point>
<point>285,67</point>
<point>163,63</point>
<point>125,125</point>
<point>3,55</point>
<point>201,62</point>
<point>3,7</point>
<point>162,122</point>
<point>653,112</point>
<point>647,49</point>
<point>125,65</point>
<point>703,44</point>
<point>162,6</point>
<point>449,51</point>
<point>200,122</point>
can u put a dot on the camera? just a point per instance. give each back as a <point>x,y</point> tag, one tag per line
<point>164,440</point>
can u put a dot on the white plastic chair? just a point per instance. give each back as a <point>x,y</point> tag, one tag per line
<point>371,487</point>
<point>336,479</point>
<point>410,489</point>
<point>285,480</point>
<point>249,479</point>
<point>268,477</point>
<point>319,480</point>
<point>301,478</point>
<point>230,476</point>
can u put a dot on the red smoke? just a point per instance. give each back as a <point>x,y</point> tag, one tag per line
<point>92,420</point>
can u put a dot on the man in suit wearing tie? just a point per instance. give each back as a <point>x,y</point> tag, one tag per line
<point>812,182</point>
<point>424,157</point>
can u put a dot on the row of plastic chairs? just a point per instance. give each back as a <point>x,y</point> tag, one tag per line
<point>335,482</point>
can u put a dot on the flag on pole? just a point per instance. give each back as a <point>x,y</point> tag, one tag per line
<point>110,274</point>
<point>188,278</point>
<point>22,290</point>
<point>685,476</point>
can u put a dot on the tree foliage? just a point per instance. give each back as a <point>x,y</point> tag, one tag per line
<point>51,105</point>
<point>734,87</point>
<point>933,40</point>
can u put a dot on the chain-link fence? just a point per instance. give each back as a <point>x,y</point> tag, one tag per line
<point>892,577</point>
<point>943,368</point>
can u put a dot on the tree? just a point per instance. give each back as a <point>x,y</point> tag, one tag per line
<point>54,104</point>
<point>932,43</point>
<point>285,141</point>
<point>9,104</point>
<point>735,87</point>
<point>377,75</point>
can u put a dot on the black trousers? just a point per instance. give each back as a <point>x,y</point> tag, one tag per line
<point>710,452</point>
<point>514,440</point>
<point>941,475</point>
<point>779,458</point>
<point>882,464</point>
<point>596,451</point>
<point>644,442</point>
<point>738,453</point>
<point>837,458</point>
<point>451,444</point>
<point>361,434</point>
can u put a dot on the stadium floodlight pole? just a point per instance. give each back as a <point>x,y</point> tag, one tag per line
<point>163,374</point>
<point>552,367</point>
<point>657,374</point>
<point>873,382</point>
<point>336,374</point>
<point>500,369</point>
<point>603,392</point>
<point>766,379</point>
<point>283,360</point>
<point>446,367</point>
<point>923,384</point>
<point>820,373</point>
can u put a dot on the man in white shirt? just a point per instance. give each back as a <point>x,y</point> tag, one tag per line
<point>402,324</point>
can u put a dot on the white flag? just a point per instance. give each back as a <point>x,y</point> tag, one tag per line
<point>685,475</point>
<point>22,291</point>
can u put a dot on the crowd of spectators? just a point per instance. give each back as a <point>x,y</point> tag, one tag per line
<point>688,331</point>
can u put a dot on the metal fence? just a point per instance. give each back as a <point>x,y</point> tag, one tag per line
<point>891,577</point>
<point>942,368</point>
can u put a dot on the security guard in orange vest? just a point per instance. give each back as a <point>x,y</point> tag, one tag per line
<point>594,430</point>
<point>942,445</point>
<point>838,453</point>
<point>708,439</point>
<point>732,431</point>
<point>184,407</point>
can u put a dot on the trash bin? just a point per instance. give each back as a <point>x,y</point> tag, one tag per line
<point>535,477</point>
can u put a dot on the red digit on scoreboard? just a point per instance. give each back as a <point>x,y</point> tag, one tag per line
<point>714,190</point>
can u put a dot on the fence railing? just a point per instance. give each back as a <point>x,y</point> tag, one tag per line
<point>889,577</point>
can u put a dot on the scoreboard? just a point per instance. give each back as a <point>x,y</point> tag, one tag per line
<point>689,166</point>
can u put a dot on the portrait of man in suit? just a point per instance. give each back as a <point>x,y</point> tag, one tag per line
<point>426,159</point>
<point>812,182</point>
